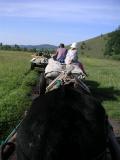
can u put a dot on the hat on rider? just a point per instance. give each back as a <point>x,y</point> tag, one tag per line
<point>74,45</point>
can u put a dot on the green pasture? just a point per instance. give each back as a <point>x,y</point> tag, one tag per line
<point>16,81</point>
<point>104,82</point>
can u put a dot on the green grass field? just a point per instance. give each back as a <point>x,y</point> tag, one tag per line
<point>16,81</point>
<point>103,80</point>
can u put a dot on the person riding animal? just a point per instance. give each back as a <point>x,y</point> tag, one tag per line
<point>72,57</point>
<point>60,53</point>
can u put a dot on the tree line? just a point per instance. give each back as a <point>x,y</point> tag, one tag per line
<point>12,48</point>
<point>18,48</point>
<point>112,48</point>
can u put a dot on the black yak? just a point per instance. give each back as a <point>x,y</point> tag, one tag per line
<point>63,124</point>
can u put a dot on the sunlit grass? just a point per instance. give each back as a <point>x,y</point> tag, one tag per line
<point>16,81</point>
<point>104,81</point>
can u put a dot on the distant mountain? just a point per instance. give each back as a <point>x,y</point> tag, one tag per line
<point>46,46</point>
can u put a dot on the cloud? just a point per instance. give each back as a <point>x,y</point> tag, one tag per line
<point>62,11</point>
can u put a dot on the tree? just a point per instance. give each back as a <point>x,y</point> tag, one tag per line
<point>113,45</point>
<point>17,46</point>
<point>83,45</point>
<point>6,47</point>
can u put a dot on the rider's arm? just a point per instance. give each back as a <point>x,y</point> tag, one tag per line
<point>55,55</point>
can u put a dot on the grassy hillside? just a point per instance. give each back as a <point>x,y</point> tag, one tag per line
<point>16,81</point>
<point>103,80</point>
<point>94,47</point>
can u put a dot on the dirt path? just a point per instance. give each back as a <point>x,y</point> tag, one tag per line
<point>116,126</point>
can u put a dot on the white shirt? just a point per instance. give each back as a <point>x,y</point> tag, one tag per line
<point>71,56</point>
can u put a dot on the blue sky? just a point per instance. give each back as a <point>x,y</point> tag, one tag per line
<point>56,21</point>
